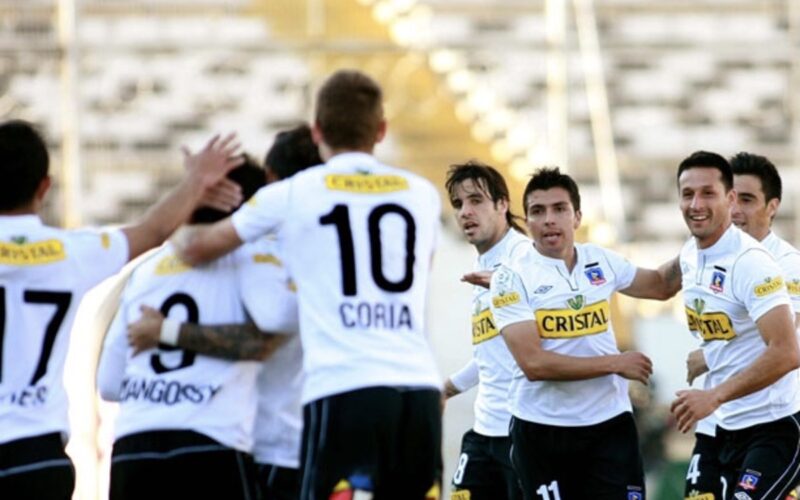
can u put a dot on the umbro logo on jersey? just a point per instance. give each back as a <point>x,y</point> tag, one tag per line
<point>542,289</point>
<point>699,305</point>
<point>19,240</point>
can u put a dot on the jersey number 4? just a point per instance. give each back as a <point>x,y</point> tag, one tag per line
<point>62,301</point>
<point>340,217</point>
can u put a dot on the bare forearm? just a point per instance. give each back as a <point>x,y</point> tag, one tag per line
<point>163,218</point>
<point>450,390</point>
<point>198,244</point>
<point>547,365</point>
<point>670,273</point>
<point>236,342</point>
<point>770,366</point>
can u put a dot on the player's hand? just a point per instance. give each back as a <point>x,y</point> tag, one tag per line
<point>224,196</point>
<point>214,161</point>
<point>695,365</point>
<point>633,366</point>
<point>144,333</point>
<point>480,278</point>
<point>691,406</point>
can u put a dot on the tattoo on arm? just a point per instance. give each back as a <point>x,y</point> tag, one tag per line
<point>672,274</point>
<point>235,342</point>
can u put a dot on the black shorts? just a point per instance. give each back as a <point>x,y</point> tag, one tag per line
<point>704,477</point>
<point>484,469</point>
<point>384,440</point>
<point>762,461</point>
<point>36,467</point>
<point>170,464</point>
<point>600,461</point>
<point>278,483</point>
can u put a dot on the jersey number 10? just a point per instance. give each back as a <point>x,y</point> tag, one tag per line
<point>340,217</point>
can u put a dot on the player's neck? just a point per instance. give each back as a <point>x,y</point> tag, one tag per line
<point>330,153</point>
<point>498,237</point>
<point>27,209</point>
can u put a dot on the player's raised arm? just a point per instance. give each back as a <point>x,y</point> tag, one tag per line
<point>204,170</point>
<point>199,244</point>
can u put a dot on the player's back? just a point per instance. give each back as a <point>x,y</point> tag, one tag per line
<point>173,388</point>
<point>359,240</point>
<point>44,273</point>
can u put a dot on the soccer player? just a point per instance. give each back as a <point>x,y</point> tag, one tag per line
<point>358,238</point>
<point>758,195</point>
<point>44,273</point>
<point>736,301</point>
<point>272,305</point>
<point>185,423</point>
<point>572,430</point>
<point>479,195</point>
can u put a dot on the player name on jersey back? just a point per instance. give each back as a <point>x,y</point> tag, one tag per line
<point>357,237</point>
<point>44,273</point>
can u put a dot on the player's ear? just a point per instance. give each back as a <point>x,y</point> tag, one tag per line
<point>41,190</point>
<point>381,131</point>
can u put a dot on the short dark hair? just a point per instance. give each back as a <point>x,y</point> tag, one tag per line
<point>706,159</point>
<point>551,177</point>
<point>743,163</point>
<point>486,177</point>
<point>24,163</point>
<point>292,151</point>
<point>250,176</point>
<point>349,110</point>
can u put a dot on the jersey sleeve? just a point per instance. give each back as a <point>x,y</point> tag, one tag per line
<point>264,212</point>
<point>467,377</point>
<point>509,299</point>
<point>758,282</point>
<point>111,369</point>
<point>267,291</point>
<point>790,267</point>
<point>624,270</point>
<point>99,253</point>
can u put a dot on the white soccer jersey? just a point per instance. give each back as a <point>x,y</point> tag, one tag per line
<point>573,316</point>
<point>272,304</point>
<point>726,289</point>
<point>358,239</point>
<point>788,259</point>
<point>494,361</point>
<point>173,388</point>
<point>44,273</point>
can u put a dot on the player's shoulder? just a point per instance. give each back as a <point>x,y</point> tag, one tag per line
<point>593,251</point>
<point>265,250</point>
<point>780,248</point>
